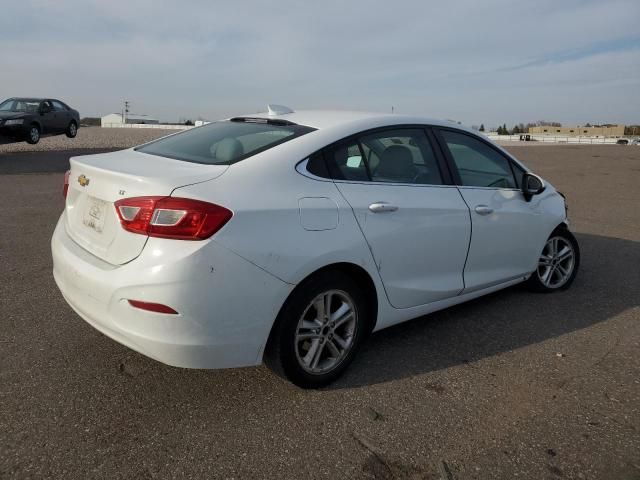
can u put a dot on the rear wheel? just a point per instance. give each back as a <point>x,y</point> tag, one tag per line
<point>558,263</point>
<point>33,135</point>
<point>72,130</point>
<point>319,330</point>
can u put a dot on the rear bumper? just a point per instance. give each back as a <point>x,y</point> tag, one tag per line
<point>226,305</point>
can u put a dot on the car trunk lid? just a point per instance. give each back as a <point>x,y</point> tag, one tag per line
<point>96,182</point>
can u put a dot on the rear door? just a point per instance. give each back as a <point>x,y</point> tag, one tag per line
<point>62,116</point>
<point>48,119</point>
<point>417,226</point>
<point>507,231</point>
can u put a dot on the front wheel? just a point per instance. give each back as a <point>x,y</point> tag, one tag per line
<point>33,135</point>
<point>319,330</point>
<point>72,130</point>
<point>558,263</point>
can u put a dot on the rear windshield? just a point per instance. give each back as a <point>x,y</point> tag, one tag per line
<point>224,143</point>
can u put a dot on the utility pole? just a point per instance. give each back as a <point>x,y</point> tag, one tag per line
<point>125,112</point>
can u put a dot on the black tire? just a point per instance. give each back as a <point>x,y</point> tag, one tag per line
<point>72,130</point>
<point>536,283</point>
<point>33,135</point>
<point>282,350</point>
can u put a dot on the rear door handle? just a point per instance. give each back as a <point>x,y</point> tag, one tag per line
<point>484,210</point>
<point>380,207</point>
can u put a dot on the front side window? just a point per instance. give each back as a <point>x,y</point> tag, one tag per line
<point>19,105</point>
<point>224,143</point>
<point>388,156</point>
<point>479,165</point>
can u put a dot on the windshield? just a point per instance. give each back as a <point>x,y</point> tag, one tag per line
<point>18,105</point>
<point>224,143</point>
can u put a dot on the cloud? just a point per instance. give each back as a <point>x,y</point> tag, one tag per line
<point>490,62</point>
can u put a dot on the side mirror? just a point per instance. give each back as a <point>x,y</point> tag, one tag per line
<point>532,185</point>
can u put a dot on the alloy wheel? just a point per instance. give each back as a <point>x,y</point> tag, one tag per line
<point>326,332</point>
<point>34,134</point>
<point>556,262</point>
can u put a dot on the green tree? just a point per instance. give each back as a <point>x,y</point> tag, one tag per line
<point>516,130</point>
<point>482,127</point>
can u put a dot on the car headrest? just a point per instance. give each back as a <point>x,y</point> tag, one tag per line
<point>396,162</point>
<point>228,149</point>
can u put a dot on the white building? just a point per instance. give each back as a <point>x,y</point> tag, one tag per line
<point>115,119</point>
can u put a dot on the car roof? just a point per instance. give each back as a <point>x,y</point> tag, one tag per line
<point>27,99</point>
<point>320,119</point>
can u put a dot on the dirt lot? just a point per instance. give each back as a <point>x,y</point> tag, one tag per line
<point>89,137</point>
<point>514,385</point>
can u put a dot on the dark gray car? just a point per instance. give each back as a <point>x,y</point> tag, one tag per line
<point>29,119</point>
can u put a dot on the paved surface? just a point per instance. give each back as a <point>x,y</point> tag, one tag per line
<point>514,385</point>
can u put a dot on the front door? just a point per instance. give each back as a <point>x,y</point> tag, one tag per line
<point>507,231</point>
<point>417,227</point>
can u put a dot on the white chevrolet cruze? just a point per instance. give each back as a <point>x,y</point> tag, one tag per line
<point>289,236</point>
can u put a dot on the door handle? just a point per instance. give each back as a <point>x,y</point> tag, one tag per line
<point>483,210</point>
<point>380,207</point>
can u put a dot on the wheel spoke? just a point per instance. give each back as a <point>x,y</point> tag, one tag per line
<point>546,276</point>
<point>318,354</point>
<point>309,357</point>
<point>342,309</point>
<point>545,261</point>
<point>310,325</point>
<point>565,254</point>
<point>564,272</point>
<point>342,343</point>
<point>327,305</point>
<point>308,336</point>
<point>319,306</point>
<point>333,349</point>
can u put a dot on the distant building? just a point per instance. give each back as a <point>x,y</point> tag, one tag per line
<point>116,119</point>
<point>595,131</point>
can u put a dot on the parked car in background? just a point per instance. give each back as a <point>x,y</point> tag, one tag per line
<point>29,119</point>
<point>291,236</point>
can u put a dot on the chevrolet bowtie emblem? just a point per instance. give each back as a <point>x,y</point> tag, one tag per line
<point>83,181</point>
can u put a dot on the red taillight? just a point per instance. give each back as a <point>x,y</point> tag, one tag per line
<point>152,307</point>
<point>65,188</point>
<point>171,217</point>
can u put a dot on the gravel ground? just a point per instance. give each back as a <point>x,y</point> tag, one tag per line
<point>90,137</point>
<point>513,385</point>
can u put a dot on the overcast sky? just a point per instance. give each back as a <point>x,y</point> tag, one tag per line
<point>490,61</point>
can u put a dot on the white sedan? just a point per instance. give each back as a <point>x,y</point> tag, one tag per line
<point>287,237</point>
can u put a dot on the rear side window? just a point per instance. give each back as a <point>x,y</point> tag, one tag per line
<point>387,156</point>
<point>345,162</point>
<point>224,143</point>
<point>479,165</point>
<point>58,106</point>
<point>401,156</point>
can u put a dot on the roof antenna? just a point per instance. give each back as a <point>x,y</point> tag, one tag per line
<point>273,109</point>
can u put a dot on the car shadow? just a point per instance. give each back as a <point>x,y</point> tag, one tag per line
<point>607,284</point>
